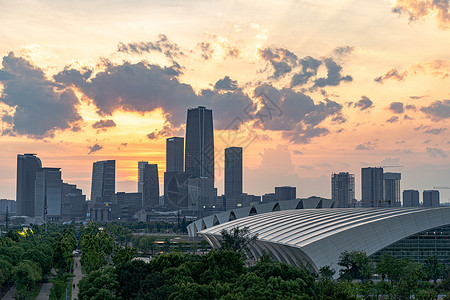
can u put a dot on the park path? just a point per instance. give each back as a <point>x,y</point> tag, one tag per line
<point>44,294</point>
<point>8,295</point>
<point>77,276</point>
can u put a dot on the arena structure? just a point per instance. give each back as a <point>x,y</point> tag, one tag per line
<point>317,237</point>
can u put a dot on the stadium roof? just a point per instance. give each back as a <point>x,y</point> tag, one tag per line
<point>318,236</point>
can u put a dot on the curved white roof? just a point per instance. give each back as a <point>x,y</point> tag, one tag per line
<point>319,236</point>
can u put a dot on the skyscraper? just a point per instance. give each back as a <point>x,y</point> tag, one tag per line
<point>343,189</point>
<point>199,156</point>
<point>73,203</point>
<point>174,154</point>
<point>103,181</point>
<point>141,167</point>
<point>27,165</point>
<point>410,198</point>
<point>233,176</point>
<point>392,189</point>
<point>431,198</point>
<point>372,187</point>
<point>283,193</point>
<point>150,193</point>
<point>48,193</point>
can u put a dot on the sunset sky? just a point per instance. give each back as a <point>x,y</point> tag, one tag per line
<point>308,87</point>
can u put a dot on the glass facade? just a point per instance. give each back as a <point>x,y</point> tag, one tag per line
<point>420,246</point>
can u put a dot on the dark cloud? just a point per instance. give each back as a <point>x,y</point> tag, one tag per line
<point>226,84</point>
<point>366,146</point>
<point>5,76</point>
<point>416,97</point>
<point>94,148</point>
<point>343,51</point>
<point>165,132</point>
<point>206,50</point>
<point>294,113</point>
<point>41,106</point>
<point>396,107</point>
<point>391,74</point>
<point>393,119</point>
<point>334,76</point>
<point>435,130</point>
<point>103,124</point>
<point>122,145</point>
<point>364,103</point>
<point>427,141</point>
<point>438,110</point>
<point>282,60</point>
<point>410,107</point>
<point>436,152</point>
<point>406,117</point>
<point>309,69</point>
<point>418,10</point>
<point>162,45</point>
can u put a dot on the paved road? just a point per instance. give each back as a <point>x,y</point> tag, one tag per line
<point>77,277</point>
<point>44,294</point>
<point>8,295</point>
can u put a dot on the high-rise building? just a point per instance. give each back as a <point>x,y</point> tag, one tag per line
<point>141,167</point>
<point>74,205</point>
<point>27,165</point>
<point>174,154</point>
<point>176,189</point>
<point>392,189</point>
<point>343,189</point>
<point>372,187</point>
<point>150,193</point>
<point>199,155</point>
<point>233,176</point>
<point>410,198</point>
<point>201,194</point>
<point>103,181</point>
<point>9,206</point>
<point>48,194</point>
<point>431,198</point>
<point>283,193</point>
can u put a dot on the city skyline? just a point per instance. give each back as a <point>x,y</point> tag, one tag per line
<point>310,93</point>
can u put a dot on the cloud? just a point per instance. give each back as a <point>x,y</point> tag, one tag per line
<point>435,130</point>
<point>122,145</point>
<point>104,124</point>
<point>219,46</point>
<point>436,152</point>
<point>226,84</point>
<point>396,107</point>
<point>163,133</point>
<point>406,117</point>
<point>393,119</point>
<point>309,70</point>
<point>162,45</point>
<point>343,51</point>
<point>94,148</point>
<point>390,161</point>
<point>282,60</point>
<point>334,76</point>
<point>293,113</point>
<point>438,110</point>
<point>392,74</point>
<point>298,152</point>
<point>364,103</point>
<point>41,106</point>
<point>366,146</point>
<point>420,9</point>
<point>411,107</point>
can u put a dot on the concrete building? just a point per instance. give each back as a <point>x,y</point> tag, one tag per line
<point>48,194</point>
<point>74,205</point>
<point>199,154</point>
<point>103,181</point>
<point>233,176</point>
<point>127,204</point>
<point>269,197</point>
<point>27,165</point>
<point>392,189</point>
<point>141,167</point>
<point>201,194</point>
<point>431,198</point>
<point>372,192</point>
<point>175,154</point>
<point>150,193</point>
<point>343,189</point>
<point>176,189</point>
<point>411,198</point>
<point>8,205</point>
<point>283,193</point>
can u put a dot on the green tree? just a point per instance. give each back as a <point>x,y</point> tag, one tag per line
<point>237,239</point>
<point>355,265</point>
<point>123,254</point>
<point>26,274</point>
<point>434,269</point>
<point>99,285</point>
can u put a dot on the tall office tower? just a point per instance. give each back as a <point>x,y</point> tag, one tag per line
<point>141,167</point>
<point>174,154</point>
<point>150,194</point>
<point>233,176</point>
<point>103,181</point>
<point>392,189</point>
<point>431,198</point>
<point>27,165</point>
<point>410,198</point>
<point>285,193</point>
<point>372,187</point>
<point>199,155</point>
<point>73,202</point>
<point>343,189</point>
<point>48,192</point>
